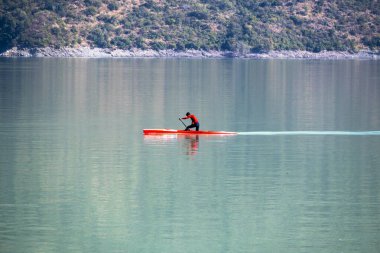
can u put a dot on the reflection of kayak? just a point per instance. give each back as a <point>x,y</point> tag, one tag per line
<point>174,131</point>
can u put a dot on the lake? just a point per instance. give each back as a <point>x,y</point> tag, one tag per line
<point>78,175</point>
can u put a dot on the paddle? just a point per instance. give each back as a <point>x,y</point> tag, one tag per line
<point>182,122</point>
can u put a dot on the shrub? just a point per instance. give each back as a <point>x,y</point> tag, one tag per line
<point>94,3</point>
<point>228,45</point>
<point>296,20</point>
<point>223,5</point>
<point>90,11</point>
<point>140,43</point>
<point>171,21</point>
<point>179,46</point>
<point>99,37</point>
<point>55,31</point>
<point>372,43</point>
<point>107,19</point>
<point>197,14</point>
<point>120,42</point>
<point>113,6</point>
<point>157,45</point>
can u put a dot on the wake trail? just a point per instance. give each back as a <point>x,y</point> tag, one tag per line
<point>360,133</point>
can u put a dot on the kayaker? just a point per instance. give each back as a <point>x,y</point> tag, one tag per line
<point>194,121</point>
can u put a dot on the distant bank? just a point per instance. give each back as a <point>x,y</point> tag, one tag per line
<point>86,52</point>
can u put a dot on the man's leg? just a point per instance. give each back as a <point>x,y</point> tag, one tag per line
<point>188,127</point>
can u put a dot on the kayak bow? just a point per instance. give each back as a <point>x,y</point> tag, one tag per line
<point>174,131</point>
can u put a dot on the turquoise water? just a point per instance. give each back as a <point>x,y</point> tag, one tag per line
<point>77,174</point>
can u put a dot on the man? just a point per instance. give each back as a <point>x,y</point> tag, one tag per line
<point>194,121</point>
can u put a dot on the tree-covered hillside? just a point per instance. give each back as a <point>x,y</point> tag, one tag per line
<point>233,25</point>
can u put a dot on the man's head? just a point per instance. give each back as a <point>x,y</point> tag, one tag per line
<point>187,114</point>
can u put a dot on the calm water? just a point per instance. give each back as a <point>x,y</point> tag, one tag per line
<point>77,175</point>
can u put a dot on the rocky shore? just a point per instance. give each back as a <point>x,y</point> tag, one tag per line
<point>86,52</point>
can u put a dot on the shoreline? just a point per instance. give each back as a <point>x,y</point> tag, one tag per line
<point>87,52</point>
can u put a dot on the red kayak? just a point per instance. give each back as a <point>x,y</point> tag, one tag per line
<point>174,131</point>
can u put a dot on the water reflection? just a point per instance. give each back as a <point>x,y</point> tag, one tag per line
<point>162,139</point>
<point>189,144</point>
